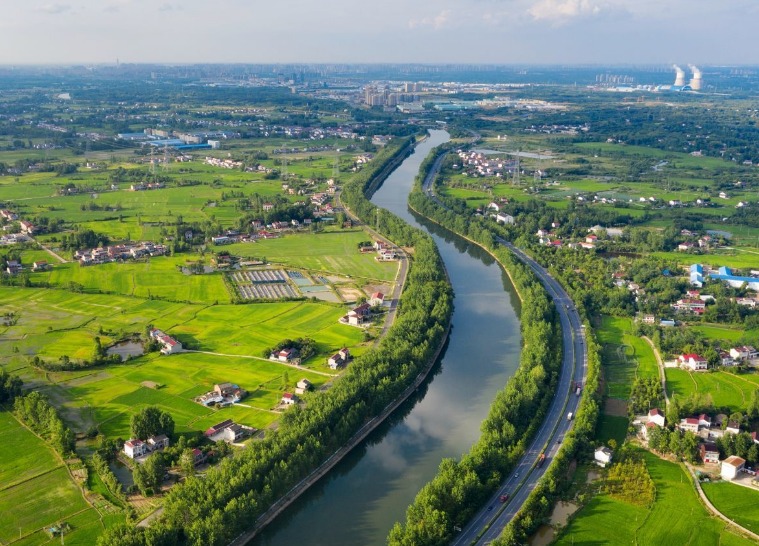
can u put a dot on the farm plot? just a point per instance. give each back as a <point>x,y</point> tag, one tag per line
<point>625,356</point>
<point>739,503</point>
<point>726,390</point>
<point>262,284</point>
<point>676,517</point>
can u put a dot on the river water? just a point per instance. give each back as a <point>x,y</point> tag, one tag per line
<point>358,502</point>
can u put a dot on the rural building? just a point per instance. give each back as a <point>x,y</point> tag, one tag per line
<point>169,345</point>
<point>135,448</point>
<point>288,399</point>
<point>736,281</point>
<point>158,442</point>
<point>503,218</point>
<point>709,453</point>
<point>378,298</point>
<point>690,305</point>
<point>725,359</point>
<point>731,466</point>
<point>733,427</point>
<point>357,315</point>
<point>693,362</point>
<point>228,431</point>
<point>657,417</point>
<point>304,385</point>
<point>13,267</point>
<point>40,265</point>
<point>287,354</point>
<point>602,456</point>
<point>198,457</point>
<point>704,421</point>
<point>745,352</point>
<point>689,424</point>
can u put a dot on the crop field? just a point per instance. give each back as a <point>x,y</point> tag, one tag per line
<point>35,488</point>
<point>716,258</point>
<point>676,517</point>
<point>726,389</point>
<point>721,332</point>
<point>624,356</point>
<point>738,503</point>
<point>328,253</point>
<point>114,394</point>
<point>159,277</point>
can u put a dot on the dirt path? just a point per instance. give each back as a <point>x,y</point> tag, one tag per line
<point>713,510</point>
<point>263,360</point>
<point>53,254</point>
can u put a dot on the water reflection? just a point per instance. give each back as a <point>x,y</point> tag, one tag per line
<point>358,502</point>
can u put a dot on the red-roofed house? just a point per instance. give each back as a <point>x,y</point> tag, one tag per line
<point>689,424</point>
<point>731,466</point>
<point>378,298</point>
<point>135,448</point>
<point>709,452</point>
<point>288,399</point>
<point>656,417</point>
<point>693,362</point>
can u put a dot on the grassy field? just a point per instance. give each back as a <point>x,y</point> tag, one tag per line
<point>35,487</point>
<point>720,332</point>
<point>333,252</point>
<point>738,503</point>
<point>624,356</point>
<point>676,517</point>
<point>611,427</point>
<point>726,389</point>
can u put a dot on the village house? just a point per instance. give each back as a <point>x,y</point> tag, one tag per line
<point>704,421</point>
<point>27,227</point>
<point>693,362</point>
<point>503,218</point>
<point>169,345</point>
<point>657,417</point>
<point>198,457</point>
<point>689,424</point>
<point>358,315</point>
<point>159,442</point>
<point>303,386</point>
<point>288,399</point>
<point>649,319</point>
<point>378,298</point>
<point>731,466</point>
<point>339,359</point>
<point>690,305</point>
<point>709,452</point>
<point>725,359</point>
<point>285,355</point>
<point>733,427</point>
<point>602,456</point>
<point>228,431</point>
<point>13,267</point>
<point>40,265</point>
<point>135,448</point>
<point>744,352</point>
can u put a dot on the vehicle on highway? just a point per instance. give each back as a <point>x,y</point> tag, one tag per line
<point>541,459</point>
<point>490,508</point>
<point>569,416</point>
<point>516,475</point>
<point>504,498</point>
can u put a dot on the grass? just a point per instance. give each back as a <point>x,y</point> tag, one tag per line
<point>624,356</point>
<point>726,389</point>
<point>23,454</point>
<point>611,427</point>
<point>738,503</point>
<point>720,332</point>
<point>334,252</point>
<point>676,517</point>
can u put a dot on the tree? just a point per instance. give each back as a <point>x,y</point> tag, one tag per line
<point>149,475</point>
<point>151,421</point>
<point>187,462</point>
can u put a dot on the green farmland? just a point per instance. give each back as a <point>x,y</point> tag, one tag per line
<point>677,516</point>
<point>726,389</point>
<point>738,503</point>
<point>625,356</point>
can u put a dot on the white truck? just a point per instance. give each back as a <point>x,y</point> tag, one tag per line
<point>569,416</point>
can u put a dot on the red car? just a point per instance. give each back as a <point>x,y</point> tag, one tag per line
<point>503,498</point>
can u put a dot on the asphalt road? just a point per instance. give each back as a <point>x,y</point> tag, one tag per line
<point>490,521</point>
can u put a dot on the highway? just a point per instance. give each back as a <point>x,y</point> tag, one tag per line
<point>490,521</point>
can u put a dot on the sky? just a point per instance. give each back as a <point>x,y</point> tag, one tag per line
<point>398,31</point>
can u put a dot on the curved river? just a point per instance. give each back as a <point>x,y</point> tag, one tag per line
<point>358,502</point>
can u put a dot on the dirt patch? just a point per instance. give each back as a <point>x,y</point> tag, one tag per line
<point>337,279</point>
<point>350,295</point>
<point>616,407</point>
<point>376,287</point>
<point>151,385</point>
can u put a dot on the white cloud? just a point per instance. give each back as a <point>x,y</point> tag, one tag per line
<point>437,22</point>
<point>54,9</point>
<point>562,10</point>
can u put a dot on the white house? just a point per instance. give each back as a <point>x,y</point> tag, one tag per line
<point>731,466</point>
<point>304,385</point>
<point>503,218</point>
<point>602,456</point>
<point>378,298</point>
<point>704,421</point>
<point>693,362</point>
<point>158,442</point>
<point>655,416</point>
<point>744,352</point>
<point>689,424</point>
<point>288,399</point>
<point>135,448</point>
<point>709,452</point>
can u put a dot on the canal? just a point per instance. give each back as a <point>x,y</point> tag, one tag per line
<point>358,502</point>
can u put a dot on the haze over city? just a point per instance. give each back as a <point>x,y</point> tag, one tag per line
<point>427,31</point>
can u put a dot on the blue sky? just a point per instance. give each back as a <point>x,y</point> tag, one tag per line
<point>428,31</point>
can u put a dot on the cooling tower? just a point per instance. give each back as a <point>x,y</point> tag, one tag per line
<point>680,78</point>
<point>695,82</point>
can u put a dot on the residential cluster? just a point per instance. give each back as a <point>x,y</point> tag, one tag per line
<point>707,429</point>
<point>120,252</point>
<point>135,448</point>
<point>223,395</point>
<point>477,164</point>
<point>228,431</point>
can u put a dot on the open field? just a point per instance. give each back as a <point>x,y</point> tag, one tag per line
<point>738,503</point>
<point>334,252</point>
<point>720,332</point>
<point>676,517</point>
<point>726,389</point>
<point>611,427</point>
<point>624,356</point>
<point>36,489</point>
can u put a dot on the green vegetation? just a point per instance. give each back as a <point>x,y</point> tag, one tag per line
<point>626,356</point>
<point>738,503</point>
<point>675,517</point>
<point>725,389</point>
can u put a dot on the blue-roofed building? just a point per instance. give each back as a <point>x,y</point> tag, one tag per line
<point>736,281</point>
<point>697,275</point>
<point>170,142</point>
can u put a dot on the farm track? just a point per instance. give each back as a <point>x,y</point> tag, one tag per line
<point>262,359</point>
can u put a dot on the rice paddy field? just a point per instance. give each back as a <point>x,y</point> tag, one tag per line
<point>624,356</point>
<point>727,390</point>
<point>677,516</point>
<point>738,503</point>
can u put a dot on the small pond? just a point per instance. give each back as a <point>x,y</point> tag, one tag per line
<point>125,349</point>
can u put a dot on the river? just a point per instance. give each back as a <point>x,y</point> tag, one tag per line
<point>358,502</point>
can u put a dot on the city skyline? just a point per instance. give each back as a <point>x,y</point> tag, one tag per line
<point>427,31</point>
